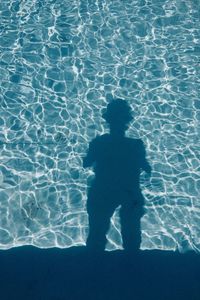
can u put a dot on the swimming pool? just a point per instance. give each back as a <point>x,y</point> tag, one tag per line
<point>61,63</point>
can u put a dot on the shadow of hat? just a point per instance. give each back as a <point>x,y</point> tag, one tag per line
<point>118,111</point>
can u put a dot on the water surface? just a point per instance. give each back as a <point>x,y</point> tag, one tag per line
<point>61,63</point>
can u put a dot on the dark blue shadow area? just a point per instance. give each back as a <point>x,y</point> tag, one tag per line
<point>55,274</point>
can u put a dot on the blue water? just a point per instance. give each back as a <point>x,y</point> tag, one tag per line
<point>61,63</point>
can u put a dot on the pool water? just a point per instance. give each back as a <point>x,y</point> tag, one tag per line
<point>61,63</point>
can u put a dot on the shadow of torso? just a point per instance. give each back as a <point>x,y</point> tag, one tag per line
<point>117,163</point>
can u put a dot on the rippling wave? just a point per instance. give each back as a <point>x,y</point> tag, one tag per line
<point>61,63</point>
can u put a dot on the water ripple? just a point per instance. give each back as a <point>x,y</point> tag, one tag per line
<point>61,63</point>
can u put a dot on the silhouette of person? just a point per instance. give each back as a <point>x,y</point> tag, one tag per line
<point>117,161</point>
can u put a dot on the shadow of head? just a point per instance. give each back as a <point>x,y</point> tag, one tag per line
<point>118,115</point>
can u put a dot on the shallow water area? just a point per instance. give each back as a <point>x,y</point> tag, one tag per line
<point>61,63</point>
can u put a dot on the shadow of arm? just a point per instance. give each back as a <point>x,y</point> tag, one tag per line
<point>89,159</point>
<point>144,163</point>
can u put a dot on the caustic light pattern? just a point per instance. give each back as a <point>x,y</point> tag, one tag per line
<point>61,63</point>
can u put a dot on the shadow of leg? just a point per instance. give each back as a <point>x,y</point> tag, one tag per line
<point>98,227</point>
<point>99,223</point>
<point>130,216</point>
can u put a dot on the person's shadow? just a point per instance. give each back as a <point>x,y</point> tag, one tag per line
<point>117,161</point>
